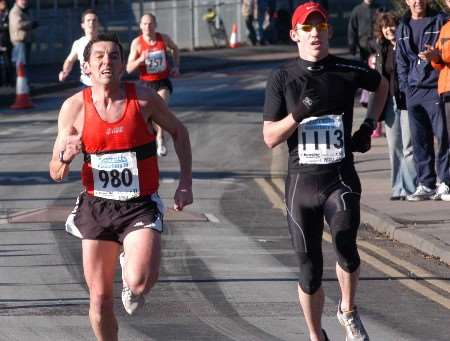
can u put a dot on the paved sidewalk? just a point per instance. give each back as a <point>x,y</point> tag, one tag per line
<point>423,225</point>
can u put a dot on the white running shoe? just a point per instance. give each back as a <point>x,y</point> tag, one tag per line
<point>441,190</point>
<point>422,193</point>
<point>130,301</point>
<point>161,148</point>
<point>354,328</point>
<point>445,197</point>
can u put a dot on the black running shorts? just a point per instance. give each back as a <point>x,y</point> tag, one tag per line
<point>311,197</point>
<point>158,85</point>
<point>105,219</point>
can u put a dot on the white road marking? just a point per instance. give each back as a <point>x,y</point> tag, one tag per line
<point>271,194</point>
<point>212,218</point>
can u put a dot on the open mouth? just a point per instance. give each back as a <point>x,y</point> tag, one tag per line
<point>106,73</point>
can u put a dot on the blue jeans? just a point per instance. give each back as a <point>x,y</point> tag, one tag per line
<point>398,135</point>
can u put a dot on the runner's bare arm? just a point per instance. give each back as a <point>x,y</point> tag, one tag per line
<point>68,65</point>
<point>276,132</point>
<point>377,100</point>
<point>175,53</point>
<point>134,58</point>
<point>68,140</point>
<point>156,109</point>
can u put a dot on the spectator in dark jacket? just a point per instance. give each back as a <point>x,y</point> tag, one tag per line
<point>403,172</point>
<point>6,72</point>
<point>418,29</point>
<point>360,29</point>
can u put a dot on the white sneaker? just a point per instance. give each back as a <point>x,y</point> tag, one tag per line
<point>161,149</point>
<point>442,189</point>
<point>130,301</point>
<point>354,328</point>
<point>445,197</point>
<point>422,193</point>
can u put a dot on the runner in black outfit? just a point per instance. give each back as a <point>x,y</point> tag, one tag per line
<point>309,104</point>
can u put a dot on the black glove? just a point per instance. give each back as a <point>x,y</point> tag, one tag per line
<point>308,104</point>
<point>313,104</point>
<point>361,139</point>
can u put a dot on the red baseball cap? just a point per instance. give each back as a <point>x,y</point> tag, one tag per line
<point>303,11</point>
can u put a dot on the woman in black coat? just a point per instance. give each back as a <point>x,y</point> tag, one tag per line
<point>403,171</point>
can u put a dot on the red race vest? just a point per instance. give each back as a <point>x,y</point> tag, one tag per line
<point>120,161</point>
<point>156,65</point>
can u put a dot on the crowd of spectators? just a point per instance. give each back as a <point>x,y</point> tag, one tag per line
<point>412,53</point>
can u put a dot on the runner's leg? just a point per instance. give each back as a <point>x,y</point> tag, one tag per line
<point>342,213</point>
<point>312,306</point>
<point>99,264</point>
<point>305,224</point>
<point>165,94</point>
<point>142,259</point>
<point>348,283</point>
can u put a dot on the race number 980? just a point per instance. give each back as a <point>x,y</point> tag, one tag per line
<point>116,178</point>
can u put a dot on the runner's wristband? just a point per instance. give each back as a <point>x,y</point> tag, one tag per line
<point>61,158</point>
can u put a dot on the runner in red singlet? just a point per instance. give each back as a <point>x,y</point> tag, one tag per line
<point>148,53</point>
<point>119,206</point>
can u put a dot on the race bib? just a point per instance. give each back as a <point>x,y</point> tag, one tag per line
<point>321,140</point>
<point>156,61</point>
<point>116,175</point>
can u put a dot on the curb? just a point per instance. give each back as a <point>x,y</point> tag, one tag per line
<point>405,234</point>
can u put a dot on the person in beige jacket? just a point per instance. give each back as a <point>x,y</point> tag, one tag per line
<point>20,27</point>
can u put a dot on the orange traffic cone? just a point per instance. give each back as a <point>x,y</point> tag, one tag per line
<point>23,100</point>
<point>233,38</point>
